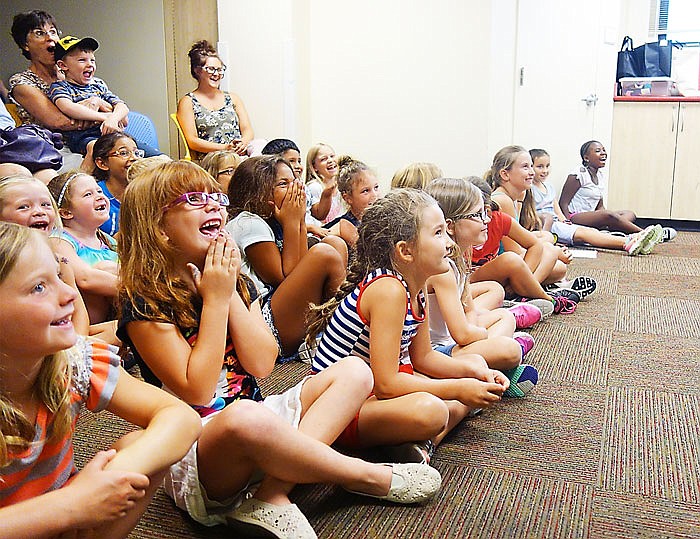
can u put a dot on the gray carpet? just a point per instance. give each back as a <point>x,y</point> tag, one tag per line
<point>606,446</point>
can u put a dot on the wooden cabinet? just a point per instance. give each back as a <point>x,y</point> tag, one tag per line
<point>653,159</point>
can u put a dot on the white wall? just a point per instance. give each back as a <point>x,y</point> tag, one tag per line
<point>389,82</point>
<point>131,57</point>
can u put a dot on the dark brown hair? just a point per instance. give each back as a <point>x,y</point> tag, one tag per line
<point>199,52</point>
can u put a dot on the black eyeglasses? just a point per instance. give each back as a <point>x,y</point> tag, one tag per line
<point>199,199</point>
<point>214,70</point>
<point>226,172</point>
<point>482,216</point>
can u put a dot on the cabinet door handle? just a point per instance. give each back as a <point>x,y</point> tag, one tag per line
<point>674,115</point>
<point>681,118</point>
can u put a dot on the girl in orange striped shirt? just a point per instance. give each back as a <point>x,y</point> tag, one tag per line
<point>47,374</point>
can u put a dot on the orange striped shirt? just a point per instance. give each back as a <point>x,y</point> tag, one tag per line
<point>45,466</point>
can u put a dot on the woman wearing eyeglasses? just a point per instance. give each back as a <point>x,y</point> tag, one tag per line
<point>36,35</point>
<point>212,119</point>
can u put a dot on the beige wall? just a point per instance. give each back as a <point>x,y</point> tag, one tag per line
<point>390,82</point>
<point>370,78</point>
<point>131,57</point>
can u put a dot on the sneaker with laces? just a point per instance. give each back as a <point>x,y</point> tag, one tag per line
<point>255,518</point>
<point>563,304</point>
<point>526,315</point>
<point>656,236</point>
<point>641,240</point>
<point>567,293</point>
<point>669,233</point>
<point>583,285</point>
<point>522,379</point>
<point>544,305</point>
<point>525,341</point>
<point>420,452</point>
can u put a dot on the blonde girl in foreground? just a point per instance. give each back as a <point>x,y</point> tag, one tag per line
<point>48,373</point>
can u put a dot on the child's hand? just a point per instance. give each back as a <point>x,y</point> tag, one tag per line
<point>101,495</point>
<point>96,103</point>
<point>479,394</point>
<point>293,209</point>
<point>565,255</point>
<point>110,125</point>
<point>329,185</point>
<point>317,230</point>
<point>500,378</point>
<point>218,279</point>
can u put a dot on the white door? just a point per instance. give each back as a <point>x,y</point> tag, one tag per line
<point>565,75</point>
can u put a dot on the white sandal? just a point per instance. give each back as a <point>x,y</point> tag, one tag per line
<point>410,483</point>
<point>282,521</point>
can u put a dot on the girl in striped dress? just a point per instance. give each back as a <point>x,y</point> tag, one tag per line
<point>379,314</point>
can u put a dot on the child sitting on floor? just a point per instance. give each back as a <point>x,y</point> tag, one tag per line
<point>379,315</point>
<point>456,327</point>
<point>359,188</point>
<point>545,199</point>
<point>268,206</point>
<point>196,326</point>
<point>48,374</point>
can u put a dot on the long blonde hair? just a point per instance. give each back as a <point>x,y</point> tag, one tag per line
<point>52,386</point>
<point>393,218</point>
<point>504,160</point>
<point>311,155</point>
<point>456,198</point>
<point>149,280</point>
<point>415,175</point>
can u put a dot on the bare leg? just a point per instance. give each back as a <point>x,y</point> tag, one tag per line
<point>458,411</point>
<point>316,277</point>
<point>330,401</point>
<point>487,295</point>
<point>498,323</point>
<point>416,416</point>
<point>339,245</point>
<point>596,238</point>
<point>542,261</point>
<point>246,436</point>
<point>511,271</point>
<point>501,353</point>
<point>622,221</point>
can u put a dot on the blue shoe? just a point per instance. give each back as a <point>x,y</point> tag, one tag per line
<point>522,379</point>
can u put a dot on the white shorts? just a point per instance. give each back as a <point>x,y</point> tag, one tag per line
<point>564,231</point>
<point>182,484</point>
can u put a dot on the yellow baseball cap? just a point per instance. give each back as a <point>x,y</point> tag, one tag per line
<point>67,43</point>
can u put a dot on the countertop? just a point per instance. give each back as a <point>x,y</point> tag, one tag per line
<point>656,99</point>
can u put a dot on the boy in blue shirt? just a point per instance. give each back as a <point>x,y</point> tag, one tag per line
<point>76,59</point>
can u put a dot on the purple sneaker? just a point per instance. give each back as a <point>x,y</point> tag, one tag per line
<point>525,341</point>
